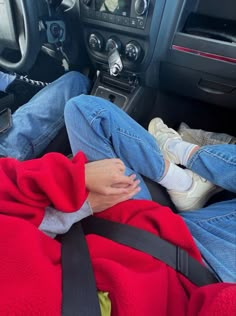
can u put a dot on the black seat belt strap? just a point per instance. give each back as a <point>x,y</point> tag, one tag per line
<point>78,283</point>
<point>153,245</point>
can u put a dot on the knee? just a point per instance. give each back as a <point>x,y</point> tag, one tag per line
<point>83,103</point>
<point>83,106</point>
<point>75,78</point>
<point>73,108</point>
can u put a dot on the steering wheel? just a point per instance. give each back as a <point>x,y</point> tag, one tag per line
<point>19,30</point>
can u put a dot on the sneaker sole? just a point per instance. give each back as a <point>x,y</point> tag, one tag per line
<point>200,203</point>
<point>168,156</point>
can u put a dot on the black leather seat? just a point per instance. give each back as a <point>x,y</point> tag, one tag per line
<point>59,144</point>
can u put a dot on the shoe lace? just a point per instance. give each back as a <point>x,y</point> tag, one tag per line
<point>33,82</point>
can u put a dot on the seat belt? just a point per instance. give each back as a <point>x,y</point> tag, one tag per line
<point>139,239</point>
<point>78,283</point>
<point>79,288</point>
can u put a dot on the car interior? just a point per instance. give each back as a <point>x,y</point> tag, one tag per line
<point>171,59</point>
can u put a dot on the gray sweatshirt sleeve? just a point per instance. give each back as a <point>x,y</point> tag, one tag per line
<point>56,222</point>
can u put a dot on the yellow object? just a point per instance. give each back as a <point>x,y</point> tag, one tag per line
<point>105,303</point>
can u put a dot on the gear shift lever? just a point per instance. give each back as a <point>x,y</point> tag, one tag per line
<point>114,62</point>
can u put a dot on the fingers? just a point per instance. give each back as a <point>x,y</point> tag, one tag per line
<point>117,162</point>
<point>107,177</point>
<point>126,187</point>
<point>126,196</point>
<point>119,179</point>
<point>127,180</point>
<point>100,202</point>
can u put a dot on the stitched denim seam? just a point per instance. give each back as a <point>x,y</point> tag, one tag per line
<point>41,137</point>
<point>216,218</point>
<point>196,155</point>
<point>49,131</point>
<point>159,153</point>
<point>95,116</point>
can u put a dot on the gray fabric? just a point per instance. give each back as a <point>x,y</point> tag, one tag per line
<point>56,222</point>
<point>200,137</point>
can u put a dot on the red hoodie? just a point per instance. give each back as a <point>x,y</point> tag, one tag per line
<point>138,285</point>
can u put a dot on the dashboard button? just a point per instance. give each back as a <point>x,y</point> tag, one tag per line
<point>98,15</point>
<point>104,16</point>
<point>126,21</point>
<point>133,22</point>
<point>113,42</point>
<point>119,19</point>
<point>111,18</point>
<point>95,42</point>
<point>140,23</point>
<point>133,51</point>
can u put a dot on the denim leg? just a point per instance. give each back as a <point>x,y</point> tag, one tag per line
<point>214,231</point>
<point>37,122</point>
<point>216,163</point>
<point>102,130</point>
<point>5,80</point>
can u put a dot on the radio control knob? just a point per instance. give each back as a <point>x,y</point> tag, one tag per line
<point>140,6</point>
<point>113,42</point>
<point>95,42</point>
<point>133,51</point>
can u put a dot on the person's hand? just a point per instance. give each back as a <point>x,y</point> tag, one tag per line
<point>107,177</point>
<point>100,202</point>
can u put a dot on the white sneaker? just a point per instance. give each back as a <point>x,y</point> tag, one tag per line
<point>162,133</point>
<point>196,196</point>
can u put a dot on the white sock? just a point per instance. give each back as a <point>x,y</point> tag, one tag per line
<point>181,149</point>
<point>176,179</point>
<point>5,80</point>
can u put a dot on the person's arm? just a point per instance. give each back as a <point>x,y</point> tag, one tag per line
<point>57,223</point>
<point>26,188</point>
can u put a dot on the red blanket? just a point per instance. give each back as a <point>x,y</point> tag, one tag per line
<point>30,269</point>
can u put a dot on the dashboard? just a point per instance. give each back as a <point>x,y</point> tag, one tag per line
<point>124,25</point>
<point>184,46</point>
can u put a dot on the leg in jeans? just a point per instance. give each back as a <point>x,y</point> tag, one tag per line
<point>217,163</point>
<point>101,130</point>
<point>214,231</point>
<point>214,227</point>
<point>104,131</point>
<point>37,123</point>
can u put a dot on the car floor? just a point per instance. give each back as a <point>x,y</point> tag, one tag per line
<point>174,109</point>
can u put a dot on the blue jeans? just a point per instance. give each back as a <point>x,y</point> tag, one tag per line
<point>101,130</point>
<point>37,122</point>
<point>214,227</point>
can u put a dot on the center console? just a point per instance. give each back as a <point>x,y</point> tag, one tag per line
<point>120,38</point>
<point>117,24</point>
<point>183,46</point>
